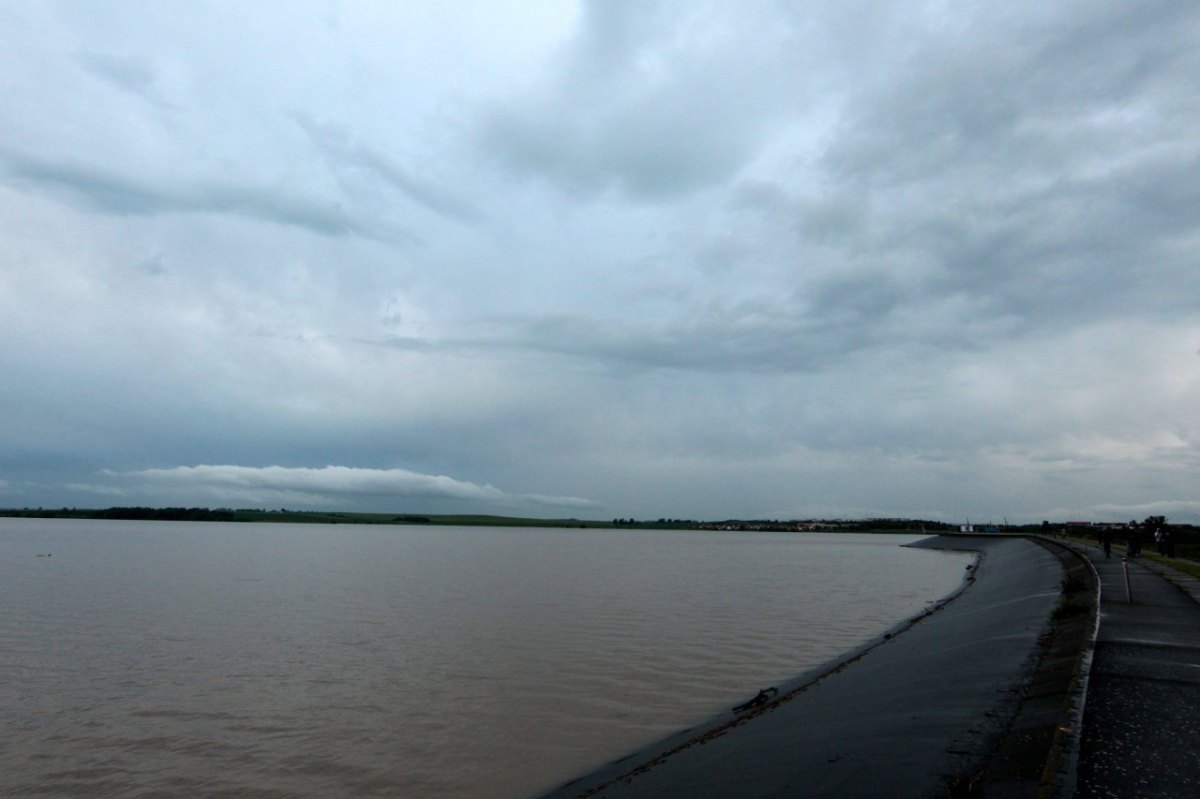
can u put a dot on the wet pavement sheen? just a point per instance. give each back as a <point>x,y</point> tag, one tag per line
<point>1141,733</point>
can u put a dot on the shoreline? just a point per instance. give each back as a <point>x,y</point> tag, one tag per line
<point>911,711</point>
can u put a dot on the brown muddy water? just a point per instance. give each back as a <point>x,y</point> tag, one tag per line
<point>194,659</point>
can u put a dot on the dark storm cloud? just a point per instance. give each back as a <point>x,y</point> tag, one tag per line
<point>132,75</point>
<point>1010,93</point>
<point>107,192</point>
<point>795,335</point>
<point>1039,161</point>
<point>344,153</point>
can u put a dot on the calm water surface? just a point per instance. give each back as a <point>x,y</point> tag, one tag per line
<point>190,659</point>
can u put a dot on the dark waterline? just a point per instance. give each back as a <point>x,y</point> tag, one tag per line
<point>288,660</point>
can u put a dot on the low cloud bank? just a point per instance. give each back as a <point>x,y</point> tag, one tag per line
<point>271,483</point>
<point>1178,510</point>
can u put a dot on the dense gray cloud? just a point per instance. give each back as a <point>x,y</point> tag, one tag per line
<point>345,154</point>
<point>623,258</point>
<point>95,190</point>
<point>653,99</point>
<point>129,74</point>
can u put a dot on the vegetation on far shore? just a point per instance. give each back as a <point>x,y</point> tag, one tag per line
<point>336,517</point>
<point>1186,537</point>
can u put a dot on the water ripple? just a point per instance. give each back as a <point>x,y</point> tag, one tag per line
<point>204,660</point>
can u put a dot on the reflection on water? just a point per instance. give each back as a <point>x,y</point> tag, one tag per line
<point>280,660</point>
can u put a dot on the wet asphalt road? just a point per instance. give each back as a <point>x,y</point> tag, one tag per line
<point>904,720</point>
<point>1141,724</point>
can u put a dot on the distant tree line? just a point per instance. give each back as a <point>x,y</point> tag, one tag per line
<point>131,513</point>
<point>680,524</point>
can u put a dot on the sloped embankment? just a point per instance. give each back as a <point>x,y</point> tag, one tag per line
<point>968,698</point>
<point>1037,755</point>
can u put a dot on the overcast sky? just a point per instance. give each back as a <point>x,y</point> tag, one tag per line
<point>650,259</point>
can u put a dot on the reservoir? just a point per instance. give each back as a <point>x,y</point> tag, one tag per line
<point>193,659</point>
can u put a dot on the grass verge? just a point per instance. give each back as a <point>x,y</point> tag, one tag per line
<point>1187,566</point>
